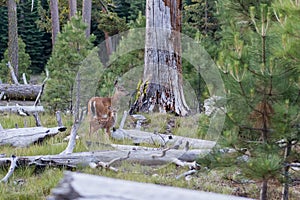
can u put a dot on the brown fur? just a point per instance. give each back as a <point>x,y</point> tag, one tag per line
<point>101,112</point>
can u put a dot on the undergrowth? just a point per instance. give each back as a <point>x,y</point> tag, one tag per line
<point>36,183</point>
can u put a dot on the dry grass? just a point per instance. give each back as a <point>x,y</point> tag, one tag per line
<point>31,183</point>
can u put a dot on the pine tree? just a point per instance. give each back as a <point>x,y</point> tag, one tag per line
<point>262,89</point>
<point>3,30</point>
<point>35,39</point>
<point>70,50</point>
<point>24,60</point>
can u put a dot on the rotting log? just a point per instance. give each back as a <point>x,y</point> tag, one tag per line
<point>139,137</point>
<point>85,186</point>
<point>20,91</point>
<point>23,137</point>
<point>28,109</point>
<point>143,157</point>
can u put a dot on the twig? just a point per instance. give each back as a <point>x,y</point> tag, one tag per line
<point>190,172</point>
<point>191,165</point>
<point>163,153</point>
<point>163,139</point>
<point>42,88</point>
<point>106,165</point>
<point>13,164</point>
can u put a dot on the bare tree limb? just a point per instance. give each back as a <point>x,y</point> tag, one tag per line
<point>13,164</point>
<point>24,79</point>
<point>12,73</point>
<point>190,172</point>
<point>42,88</point>
<point>108,165</point>
<point>58,118</point>
<point>123,119</point>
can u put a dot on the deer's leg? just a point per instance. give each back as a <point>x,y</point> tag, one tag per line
<point>108,131</point>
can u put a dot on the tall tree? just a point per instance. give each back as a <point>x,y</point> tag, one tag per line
<point>54,19</point>
<point>262,88</point>
<point>86,15</point>
<point>13,35</point>
<point>162,90</point>
<point>37,40</point>
<point>72,8</point>
<point>3,30</point>
<point>71,49</point>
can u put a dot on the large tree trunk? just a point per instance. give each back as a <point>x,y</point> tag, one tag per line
<point>20,92</point>
<point>72,8</point>
<point>13,35</point>
<point>54,19</point>
<point>86,15</point>
<point>162,90</point>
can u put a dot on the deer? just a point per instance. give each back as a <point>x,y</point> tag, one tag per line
<point>101,112</point>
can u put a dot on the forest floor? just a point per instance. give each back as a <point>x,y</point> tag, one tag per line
<point>33,183</point>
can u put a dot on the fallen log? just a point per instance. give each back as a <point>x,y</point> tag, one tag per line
<point>85,186</point>
<point>23,137</point>
<point>20,91</point>
<point>73,160</point>
<point>28,109</point>
<point>139,137</point>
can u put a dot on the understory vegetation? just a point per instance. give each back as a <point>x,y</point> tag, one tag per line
<point>36,182</point>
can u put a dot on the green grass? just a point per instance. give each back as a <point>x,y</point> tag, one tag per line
<point>32,183</point>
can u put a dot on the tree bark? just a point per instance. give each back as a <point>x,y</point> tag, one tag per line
<point>162,90</point>
<point>13,47</point>
<point>54,20</point>
<point>27,109</point>
<point>23,137</point>
<point>86,186</point>
<point>86,15</point>
<point>264,190</point>
<point>140,137</point>
<point>72,8</point>
<point>20,92</point>
<point>81,159</point>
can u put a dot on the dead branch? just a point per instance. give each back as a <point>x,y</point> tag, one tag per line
<point>140,137</point>
<point>108,165</point>
<point>24,78</point>
<point>42,88</point>
<point>13,164</point>
<point>37,119</point>
<point>22,137</point>
<point>190,172</point>
<point>28,109</point>
<point>123,119</point>
<point>85,186</point>
<point>12,73</point>
<point>72,160</point>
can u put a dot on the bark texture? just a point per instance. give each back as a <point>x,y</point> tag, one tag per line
<point>20,92</point>
<point>86,15</point>
<point>72,8</point>
<point>162,90</point>
<point>54,19</point>
<point>23,137</point>
<point>13,35</point>
<point>85,186</point>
